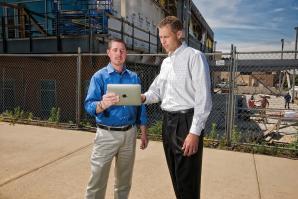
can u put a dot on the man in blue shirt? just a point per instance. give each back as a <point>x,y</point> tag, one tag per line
<point>116,126</point>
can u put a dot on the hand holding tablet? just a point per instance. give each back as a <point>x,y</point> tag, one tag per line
<point>109,99</point>
<point>129,94</point>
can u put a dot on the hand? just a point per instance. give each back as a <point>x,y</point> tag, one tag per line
<point>190,145</point>
<point>143,98</point>
<point>144,137</point>
<point>109,99</point>
<point>144,141</point>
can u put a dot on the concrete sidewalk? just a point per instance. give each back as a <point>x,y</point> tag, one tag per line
<point>48,163</point>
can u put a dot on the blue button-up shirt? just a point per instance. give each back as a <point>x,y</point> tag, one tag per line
<point>114,115</point>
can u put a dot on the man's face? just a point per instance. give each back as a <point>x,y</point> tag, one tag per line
<point>117,53</point>
<point>170,40</point>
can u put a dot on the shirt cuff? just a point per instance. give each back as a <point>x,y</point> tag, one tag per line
<point>142,123</point>
<point>150,98</point>
<point>195,130</point>
<point>94,105</point>
<point>146,100</point>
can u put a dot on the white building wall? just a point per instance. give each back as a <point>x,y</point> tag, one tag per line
<point>143,14</point>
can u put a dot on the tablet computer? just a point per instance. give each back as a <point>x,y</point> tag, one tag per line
<point>130,94</point>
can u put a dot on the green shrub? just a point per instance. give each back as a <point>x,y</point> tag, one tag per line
<point>223,143</point>
<point>156,128</point>
<point>260,149</point>
<point>85,123</point>
<point>236,135</point>
<point>294,144</point>
<point>30,116</point>
<point>54,115</point>
<point>213,133</point>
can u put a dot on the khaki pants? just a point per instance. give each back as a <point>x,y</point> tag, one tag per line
<point>107,145</point>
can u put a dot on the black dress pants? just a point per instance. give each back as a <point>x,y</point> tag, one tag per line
<point>185,171</point>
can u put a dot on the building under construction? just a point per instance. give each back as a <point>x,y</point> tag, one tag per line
<point>51,26</point>
<point>40,67</point>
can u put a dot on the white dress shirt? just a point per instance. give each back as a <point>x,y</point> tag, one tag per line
<point>184,83</point>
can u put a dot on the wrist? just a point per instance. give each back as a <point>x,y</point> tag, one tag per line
<point>192,134</point>
<point>100,107</point>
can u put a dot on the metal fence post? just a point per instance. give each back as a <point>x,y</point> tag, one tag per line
<point>79,83</point>
<point>231,98</point>
<point>228,105</point>
<point>234,70</point>
<point>294,70</point>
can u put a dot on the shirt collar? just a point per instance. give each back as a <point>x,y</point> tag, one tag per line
<point>179,49</point>
<point>111,69</point>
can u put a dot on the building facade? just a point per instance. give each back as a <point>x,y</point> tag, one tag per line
<point>57,28</point>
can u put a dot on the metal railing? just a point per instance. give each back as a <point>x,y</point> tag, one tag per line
<point>78,23</point>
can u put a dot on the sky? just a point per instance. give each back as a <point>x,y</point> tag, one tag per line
<point>251,25</point>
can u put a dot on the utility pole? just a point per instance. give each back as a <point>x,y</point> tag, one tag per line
<point>294,70</point>
<point>282,48</point>
<point>296,28</point>
<point>280,73</point>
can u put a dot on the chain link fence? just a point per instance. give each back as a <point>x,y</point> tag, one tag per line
<point>37,84</point>
<point>261,82</point>
<point>248,90</point>
<point>249,97</point>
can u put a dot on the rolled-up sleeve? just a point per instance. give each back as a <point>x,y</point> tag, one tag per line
<point>142,118</point>
<point>93,95</point>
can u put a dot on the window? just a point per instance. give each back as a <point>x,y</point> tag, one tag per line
<point>47,95</point>
<point>7,95</point>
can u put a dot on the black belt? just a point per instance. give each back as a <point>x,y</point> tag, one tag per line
<point>114,128</point>
<point>191,110</point>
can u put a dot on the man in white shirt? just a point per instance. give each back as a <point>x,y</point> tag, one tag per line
<point>183,87</point>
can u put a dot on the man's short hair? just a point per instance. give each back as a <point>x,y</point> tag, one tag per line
<point>116,40</point>
<point>173,22</point>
